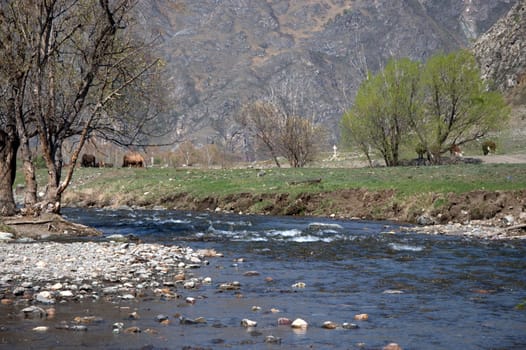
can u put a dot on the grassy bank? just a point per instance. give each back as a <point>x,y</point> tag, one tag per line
<point>157,182</point>
<point>399,193</point>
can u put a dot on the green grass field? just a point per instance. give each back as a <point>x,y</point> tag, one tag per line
<point>202,183</point>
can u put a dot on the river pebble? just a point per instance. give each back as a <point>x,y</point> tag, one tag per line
<point>361,317</point>
<point>299,323</point>
<point>392,346</point>
<point>248,323</point>
<point>329,325</point>
<point>51,272</point>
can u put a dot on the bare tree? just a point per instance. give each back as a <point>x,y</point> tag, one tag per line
<point>296,138</point>
<point>225,138</point>
<point>9,144</point>
<point>74,66</point>
<point>300,140</point>
<point>261,119</point>
<point>14,74</point>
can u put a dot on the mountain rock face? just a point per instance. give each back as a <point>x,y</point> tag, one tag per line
<point>501,51</point>
<point>312,54</point>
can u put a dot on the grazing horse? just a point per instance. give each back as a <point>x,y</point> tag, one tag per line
<point>488,147</point>
<point>88,161</point>
<point>455,151</point>
<point>134,160</point>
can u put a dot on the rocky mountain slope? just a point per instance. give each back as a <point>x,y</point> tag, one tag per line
<point>314,53</point>
<point>501,51</point>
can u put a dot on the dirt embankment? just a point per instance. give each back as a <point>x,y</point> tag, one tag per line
<point>371,205</point>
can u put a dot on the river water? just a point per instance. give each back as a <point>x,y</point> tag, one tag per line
<point>420,291</point>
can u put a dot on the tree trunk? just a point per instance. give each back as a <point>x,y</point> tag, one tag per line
<point>9,144</point>
<point>30,194</point>
<point>53,157</point>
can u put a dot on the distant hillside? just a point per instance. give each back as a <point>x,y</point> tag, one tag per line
<point>221,54</point>
<point>501,53</point>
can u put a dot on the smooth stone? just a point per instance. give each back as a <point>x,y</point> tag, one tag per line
<point>132,330</point>
<point>248,323</point>
<point>392,291</point>
<point>299,324</point>
<point>299,285</point>
<point>34,311</point>
<point>272,339</point>
<point>161,318</point>
<point>329,325</point>
<point>392,346</point>
<point>41,329</point>
<point>78,328</point>
<point>56,286</point>
<point>361,317</point>
<point>283,321</point>
<point>251,273</point>
<point>347,325</point>
<point>45,297</point>
<point>66,293</point>
<point>6,236</point>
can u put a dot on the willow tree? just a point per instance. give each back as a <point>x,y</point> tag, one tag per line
<point>441,103</point>
<point>84,62</point>
<point>457,106</point>
<point>384,104</point>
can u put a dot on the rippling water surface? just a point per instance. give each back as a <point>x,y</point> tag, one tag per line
<point>420,291</point>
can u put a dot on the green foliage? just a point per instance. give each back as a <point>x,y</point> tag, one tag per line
<point>458,107</point>
<point>430,106</point>
<point>383,104</point>
<point>201,183</point>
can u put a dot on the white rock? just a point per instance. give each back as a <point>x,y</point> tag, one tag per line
<point>6,236</point>
<point>41,329</point>
<point>248,323</point>
<point>299,323</point>
<point>56,286</point>
<point>299,285</point>
<point>66,293</point>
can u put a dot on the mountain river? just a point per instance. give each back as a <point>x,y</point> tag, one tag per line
<point>419,291</point>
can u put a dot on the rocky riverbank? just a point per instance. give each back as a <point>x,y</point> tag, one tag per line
<point>119,286</point>
<point>52,272</point>
<point>37,277</point>
<point>114,286</point>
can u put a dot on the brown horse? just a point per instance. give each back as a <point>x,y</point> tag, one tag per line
<point>455,151</point>
<point>488,147</point>
<point>88,161</point>
<point>134,159</point>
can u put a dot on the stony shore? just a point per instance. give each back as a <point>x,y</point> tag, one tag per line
<point>50,272</point>
<point>479,229</point>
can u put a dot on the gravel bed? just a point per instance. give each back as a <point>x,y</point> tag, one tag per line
<point>49,272</point>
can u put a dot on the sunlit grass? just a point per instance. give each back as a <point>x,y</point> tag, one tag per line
<point>157,182</point>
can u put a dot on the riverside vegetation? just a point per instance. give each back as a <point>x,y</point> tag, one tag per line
<point>444,194</point>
